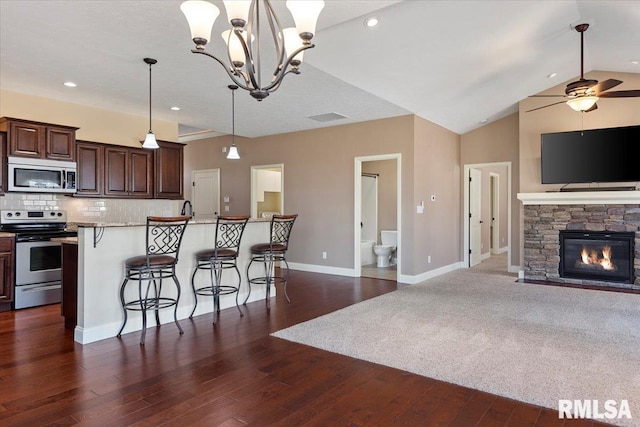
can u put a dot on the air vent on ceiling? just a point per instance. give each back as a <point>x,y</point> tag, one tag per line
<point>328,117</point>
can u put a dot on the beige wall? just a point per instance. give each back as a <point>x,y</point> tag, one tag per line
<point>94,124</point>
<point>437,231</point>
<point>387,192</point>
<point>560,118</point>
<point>493,143</point>
<point>319,178</point>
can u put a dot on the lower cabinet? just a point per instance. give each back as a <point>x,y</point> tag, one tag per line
<point>7,270</point>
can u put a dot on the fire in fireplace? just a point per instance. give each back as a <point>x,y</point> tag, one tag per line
<point>601,256</point>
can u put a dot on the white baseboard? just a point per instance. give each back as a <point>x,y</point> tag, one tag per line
<point>500,250</point>
<point>109,330</point>
<point>516,269</point>
<point>412,280</point>
<point>485,256</point>
<point>324,269</point>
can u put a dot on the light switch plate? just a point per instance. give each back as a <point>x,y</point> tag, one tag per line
<point>226,199</point>
<point>420,209</point>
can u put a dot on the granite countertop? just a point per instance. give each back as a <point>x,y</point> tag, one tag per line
<point>5,234</point>
<point>70,240</point>
<point>142,224</point>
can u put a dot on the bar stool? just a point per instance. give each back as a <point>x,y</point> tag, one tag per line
<point>163,239</point>
<point>269,253</point>
<point>223,256</point>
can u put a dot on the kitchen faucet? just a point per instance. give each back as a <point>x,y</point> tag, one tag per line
<point>184,208</point>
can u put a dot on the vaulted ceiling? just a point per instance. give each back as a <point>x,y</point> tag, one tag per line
<point>455,63</point>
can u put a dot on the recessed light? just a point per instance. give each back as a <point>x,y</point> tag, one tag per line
<point>371,21</point>
<point>635,61</point>
<point>70,84</point>
<point>175,108</point>
<point>484,121</point>
<point>552,75</point>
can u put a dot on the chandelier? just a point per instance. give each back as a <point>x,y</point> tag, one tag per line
<point>243,41</point>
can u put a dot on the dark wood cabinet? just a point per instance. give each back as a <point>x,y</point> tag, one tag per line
<point>90,158</point>
<point>39,140</point>
<point>127,172</point>
<point>169,167</point>
<point>6,272</point>
<point>3,163</point>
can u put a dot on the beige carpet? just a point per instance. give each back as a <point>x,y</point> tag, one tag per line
<point>477,328</point>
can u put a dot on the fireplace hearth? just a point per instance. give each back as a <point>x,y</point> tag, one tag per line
<point>600,256</point>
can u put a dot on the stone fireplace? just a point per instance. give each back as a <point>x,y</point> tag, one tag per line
<point>603,231</point>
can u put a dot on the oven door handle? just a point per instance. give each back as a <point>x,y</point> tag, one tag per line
<point>42,288</point>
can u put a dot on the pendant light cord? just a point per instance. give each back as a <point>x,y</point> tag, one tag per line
<point>149,97</point>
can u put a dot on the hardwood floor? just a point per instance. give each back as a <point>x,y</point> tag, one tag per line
<point>231,374</point>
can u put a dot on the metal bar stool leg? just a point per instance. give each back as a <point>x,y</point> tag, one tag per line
<point>193,286</point>
<point>214,290</point>
<point>179,292</point>
<point>238,290</point>
<point>124,308</point>
<point>286,279</point>
<point>248,282</point>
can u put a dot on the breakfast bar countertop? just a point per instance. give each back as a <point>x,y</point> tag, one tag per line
<point>142,224</point>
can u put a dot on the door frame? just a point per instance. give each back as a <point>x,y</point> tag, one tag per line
<point>357,217</point>
<point>254,186</point>
<point>475,258</point>
<point>193,172</point>
<point>495,212</point>
<point>465,198</point>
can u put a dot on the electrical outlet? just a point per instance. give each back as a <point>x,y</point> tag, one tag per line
<point>226,208</point>
<point>224,149</point>
<point>324,255</point>
<point>429,259</point>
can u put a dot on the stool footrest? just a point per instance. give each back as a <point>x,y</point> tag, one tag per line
<point>150,304</point>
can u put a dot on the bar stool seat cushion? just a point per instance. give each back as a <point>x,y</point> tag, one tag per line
<point>154,261</point>
<point>220,253</point>
<point>265,248</point>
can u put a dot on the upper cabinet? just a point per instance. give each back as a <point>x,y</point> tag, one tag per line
<point>90,157</point>
<point>128,172</point>
<point>39,140</point>
<point>106,170</point>
<point>168,165</point>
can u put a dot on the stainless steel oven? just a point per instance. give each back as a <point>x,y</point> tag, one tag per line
<point>38,259</point>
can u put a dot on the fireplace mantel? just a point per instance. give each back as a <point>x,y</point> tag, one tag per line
<point>581,198</point>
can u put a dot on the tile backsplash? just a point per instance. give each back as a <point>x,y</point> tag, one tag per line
<point>92,210</point>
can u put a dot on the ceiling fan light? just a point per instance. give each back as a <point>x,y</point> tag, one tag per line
<point>233,153</point>
<point>582,103</point>
<point>200,15</point>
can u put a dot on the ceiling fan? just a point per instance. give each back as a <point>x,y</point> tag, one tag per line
<point>583,94</point>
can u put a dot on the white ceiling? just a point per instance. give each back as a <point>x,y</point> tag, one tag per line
<point>454,63</point>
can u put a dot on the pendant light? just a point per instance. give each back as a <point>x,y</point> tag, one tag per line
<point>150,140</point>
<point>233,150</point>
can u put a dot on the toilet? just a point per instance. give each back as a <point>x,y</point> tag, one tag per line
<point>385,251</point>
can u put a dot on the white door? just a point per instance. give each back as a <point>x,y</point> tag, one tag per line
<point>475,222</point>
<point>206,193</point>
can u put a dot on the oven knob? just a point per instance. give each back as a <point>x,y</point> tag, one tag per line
<point>17,213</point>
<point>59,213</point>
<point>52,214</point>
<point>9,214</point>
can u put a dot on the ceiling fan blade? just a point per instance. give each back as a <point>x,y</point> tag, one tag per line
<point>595,107</point>
<point>555,103</point>
<point>547,96</point>
<point>621,94</point>
<point>605,85</point>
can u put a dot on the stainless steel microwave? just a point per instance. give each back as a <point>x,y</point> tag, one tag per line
<point>41,175</point>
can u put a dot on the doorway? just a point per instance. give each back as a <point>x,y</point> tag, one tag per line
<point>267,190</point>
<point>494,234</point>
<point>383,174</point>
<point>205,193</point>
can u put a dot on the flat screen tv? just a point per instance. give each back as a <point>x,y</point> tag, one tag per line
<point>599,155</point>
